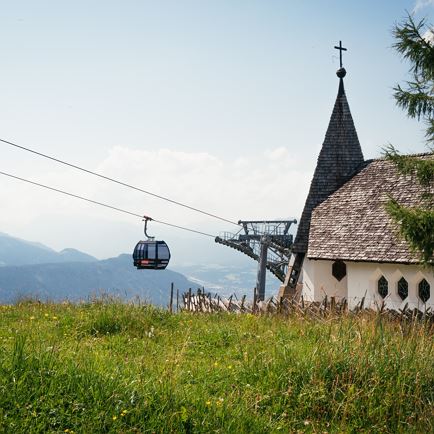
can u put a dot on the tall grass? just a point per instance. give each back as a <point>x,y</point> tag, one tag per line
<point>112,367</point>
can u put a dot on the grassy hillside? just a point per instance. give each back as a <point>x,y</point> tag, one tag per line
<point>109,367</point>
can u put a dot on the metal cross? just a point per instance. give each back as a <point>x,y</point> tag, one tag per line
<point>340,48</point>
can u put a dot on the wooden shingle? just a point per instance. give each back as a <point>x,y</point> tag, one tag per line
<point>340,158</point>
<point>353,225</point>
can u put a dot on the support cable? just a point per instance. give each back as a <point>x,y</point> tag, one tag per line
<point>107,178</point>
<point>95,202</point>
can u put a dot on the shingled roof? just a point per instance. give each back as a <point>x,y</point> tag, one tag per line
<point>340,158</point>
<point>353,225</point>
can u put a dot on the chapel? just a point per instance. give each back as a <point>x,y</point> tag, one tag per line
<point>346,244</point>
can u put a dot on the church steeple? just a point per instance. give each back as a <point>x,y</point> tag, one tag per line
<point>339,159</point>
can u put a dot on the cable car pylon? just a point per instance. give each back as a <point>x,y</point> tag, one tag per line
<point>267,242</point>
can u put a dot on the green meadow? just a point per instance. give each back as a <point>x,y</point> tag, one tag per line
<point>108,367</point>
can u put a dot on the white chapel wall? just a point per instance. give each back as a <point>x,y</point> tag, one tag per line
<point>319,281</point>
<point>363,279</point>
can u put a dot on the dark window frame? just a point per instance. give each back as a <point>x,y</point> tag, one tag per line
<point>339,270</point>
<point>426,288</point>
<point>402,287</point>
<point>383,287</point>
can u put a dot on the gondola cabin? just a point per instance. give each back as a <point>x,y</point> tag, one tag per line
<point>151,255</point>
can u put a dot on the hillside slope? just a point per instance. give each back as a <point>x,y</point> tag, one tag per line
<point>122,368</point>
<point>82,280</point>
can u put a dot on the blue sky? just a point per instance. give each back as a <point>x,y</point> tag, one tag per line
<point>220,104</point>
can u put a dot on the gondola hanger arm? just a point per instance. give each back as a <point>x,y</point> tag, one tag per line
<point>147,219</point>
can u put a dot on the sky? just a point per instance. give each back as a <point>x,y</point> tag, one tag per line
<point>219,104</point>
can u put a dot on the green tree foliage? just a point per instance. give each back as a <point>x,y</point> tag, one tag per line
<point>416,226</point>
<point>415,43</point>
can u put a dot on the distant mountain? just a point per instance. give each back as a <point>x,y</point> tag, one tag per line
<point>29,269</point>
<point>73,255</point>
<point>14,251</point>
<point>76,281</point>
<point>229,279</point>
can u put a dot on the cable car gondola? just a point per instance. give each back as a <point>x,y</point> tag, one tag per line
<point>151,254</point>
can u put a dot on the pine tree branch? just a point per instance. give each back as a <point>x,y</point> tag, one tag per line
<point>416,225</point>
<point>422,169</point>
<point>411,44</point>
<point>415,100</point>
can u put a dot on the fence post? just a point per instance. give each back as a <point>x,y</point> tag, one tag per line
<point>177,300</point>
<point>189,299</point>
<point>243,299</point>
<point>171,298</point>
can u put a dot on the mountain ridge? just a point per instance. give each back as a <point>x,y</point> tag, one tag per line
<point>16,251</point>
<point>32,270</point>
<point>81,281</point>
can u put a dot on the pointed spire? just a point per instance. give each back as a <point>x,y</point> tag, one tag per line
<point>339,159</point>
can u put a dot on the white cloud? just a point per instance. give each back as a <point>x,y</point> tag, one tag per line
<point>268,185</point>
<point>421,4</point>
<point>429,36</point>
<point>271,185</point>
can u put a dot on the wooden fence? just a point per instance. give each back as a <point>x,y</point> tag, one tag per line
<point>202,302</point>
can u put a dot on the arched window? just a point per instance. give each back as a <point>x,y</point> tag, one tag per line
<point>402,288</point>
<point>383,286</point>
<point>424,290</point>
<point>339,270</point>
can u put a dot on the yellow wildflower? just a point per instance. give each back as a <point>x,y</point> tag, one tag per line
<point>114,417</point>
<point>208,403</point>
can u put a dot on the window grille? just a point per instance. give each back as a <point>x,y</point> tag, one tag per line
<point>383,286</point>
<point>402,288</point>
<point>424,290</point>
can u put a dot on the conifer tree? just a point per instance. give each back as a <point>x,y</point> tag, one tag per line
<point>415,43</point>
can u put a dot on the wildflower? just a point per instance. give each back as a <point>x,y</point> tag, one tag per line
<point>124,412</point>
<point>230,367</point>
<point>208,403</point>
<point>46,315</point>
<point>114,417</point>
<point>216,364</point>
<point>32,317</point>
<point>54,317</point>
